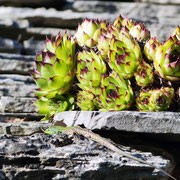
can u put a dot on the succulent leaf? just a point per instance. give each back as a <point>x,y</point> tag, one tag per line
<point>150,48</point>
<point>144,74</point>
<point>139,32</point>
<point>54,105</point>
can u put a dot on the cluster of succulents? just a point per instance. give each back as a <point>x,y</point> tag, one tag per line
<point>108,67</point>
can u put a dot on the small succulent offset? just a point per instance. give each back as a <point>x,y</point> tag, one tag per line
<point>124,22</point>
<point>155,100</point>
<point>120,50</point>
<point>167,59</point>
<point>86,101</point>
<point>150,48</point>
<point>99,73</point>
<point>137,31</point>
<point>144,74</point>
<point>89,31</point>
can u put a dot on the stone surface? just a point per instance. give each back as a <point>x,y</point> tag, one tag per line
<point>162,1</point>
<point>156,28</point>
<point>101,7</point>
<point>21,29</point>
<point>16,104</point>
<point>31,3</point>
<point>22,129</point>
<point>151,14</point>
<point>43,156</point>
<point>16,64</point>
<point>17,90</point>
<point>8,45</point>
<point>16,85</point>
<point>19,117</point>
<point>33,46</point>
<point>133,121</point>
<point>49,31</point>
<point>13,79</point>
<point>18,23</point>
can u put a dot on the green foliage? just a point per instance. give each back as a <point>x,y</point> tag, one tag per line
<point>100,73</point>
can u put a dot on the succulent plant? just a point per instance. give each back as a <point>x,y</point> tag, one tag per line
<point>144,74</point>
<point>123,22</point>
<point>139,32</point>
<point>167,59</point>
<point>86,100</point>
<point>130,43</point>
<point>121,51</point>
<point>150,48</point>
<point>155,100</point>
<point>103,46</point>
<point>116,93</point>
<point>50,107</point>
<point>55,68</point>
<point>54,74</point>
<point>109,56</point>
<point>177,32</point>
<point>121,59</point>
<point>90,66</point>
<point>89,31</point>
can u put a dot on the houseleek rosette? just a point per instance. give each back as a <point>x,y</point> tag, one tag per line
<point>139,32</point>
<point>55,71</point>
<point>144,74</point>
<point>129,42</point>
<point>123,22</point>
<point>150,48</point>
<point>122,60</point>
<point>155,100</point>
<point>90,66</point>
<point>120,50</point>
<point>89,31</point>
<point>86,100</point>
<point>167,59</point>
<point>104,41</point>
<point>116,93</point>
<point>124,55</point>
